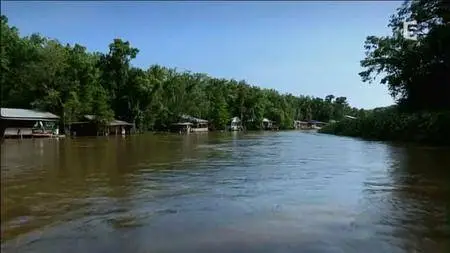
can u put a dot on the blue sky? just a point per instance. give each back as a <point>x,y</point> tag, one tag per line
<point>309,48</point>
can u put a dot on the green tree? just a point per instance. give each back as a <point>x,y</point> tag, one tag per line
<point>417,73</point>
<point>38,72</point>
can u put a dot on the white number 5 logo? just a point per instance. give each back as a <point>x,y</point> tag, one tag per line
<point>409,30</point>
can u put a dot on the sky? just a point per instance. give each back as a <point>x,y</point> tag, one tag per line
<point>299,47</point>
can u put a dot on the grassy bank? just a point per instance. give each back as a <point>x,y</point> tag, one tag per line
<point>390,124</point>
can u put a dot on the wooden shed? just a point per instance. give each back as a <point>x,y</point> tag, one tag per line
<point>88,127</point>
<point>18,122</point>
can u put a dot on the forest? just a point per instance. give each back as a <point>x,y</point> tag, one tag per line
<point>67,80</point>
<point>417,73</point>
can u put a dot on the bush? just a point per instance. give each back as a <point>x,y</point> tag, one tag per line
<point>390,124</point>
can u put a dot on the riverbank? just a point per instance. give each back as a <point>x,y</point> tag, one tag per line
<point>390,124</point>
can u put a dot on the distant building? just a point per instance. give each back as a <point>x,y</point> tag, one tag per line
<point>268,124</point>
<point>18,122</point>
<point>181,127</point>
<point>349,117</point>
<point>198,125</point>
<point>88,127</point>
<point>315,124</point>
<point>235,124</point>
<point>189,124</point>
<point>298,124</point>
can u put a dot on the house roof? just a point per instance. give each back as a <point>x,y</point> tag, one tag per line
<point>26,114</point>
<point>316,122</point>
<point>235,120</point>
<point>114,122</point>
<point>119,123</point>
<point>193,119</point>
<point>182,124</point>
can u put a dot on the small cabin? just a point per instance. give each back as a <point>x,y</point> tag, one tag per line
<point>235,124</point>
<point>196,124</point>
<point>181,127</point>
<point>298,124</point>
<point>267,124</point>
<point>19,123</point>
<point>315,124</point>
<point>88,127</point>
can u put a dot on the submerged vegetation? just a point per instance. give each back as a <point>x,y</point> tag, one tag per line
<point>67,80</point>
<point>417,73</point>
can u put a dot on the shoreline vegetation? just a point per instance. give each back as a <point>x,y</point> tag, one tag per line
<point>417,74</point>
<point>390,124</point>
<point>67,80</point>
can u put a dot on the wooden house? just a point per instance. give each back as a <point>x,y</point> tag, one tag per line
<point>181,127</point>
<point>267,124</point>
<point>315,124</point>
<point>298,124</point>
<point>196,124</point>
<point>18,122</point>
<point>235,124</point>
<point>88,127</point>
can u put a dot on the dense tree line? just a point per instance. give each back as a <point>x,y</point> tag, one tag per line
<point>38,72</point>
<point>417,73</point>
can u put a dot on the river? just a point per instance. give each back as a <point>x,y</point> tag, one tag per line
<point>230,192</point>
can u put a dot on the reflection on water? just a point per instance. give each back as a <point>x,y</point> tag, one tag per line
<point>231,192</point>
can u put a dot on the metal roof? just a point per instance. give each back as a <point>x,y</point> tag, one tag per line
<point>182,124</point>
<point>316,122</point>
<point>114,122</point>
<point>193,119</point>
<point>119,123</point>
<point>26,114</point>
<point>235,120</point>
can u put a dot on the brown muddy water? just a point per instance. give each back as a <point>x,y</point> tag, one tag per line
<point>231,192</point>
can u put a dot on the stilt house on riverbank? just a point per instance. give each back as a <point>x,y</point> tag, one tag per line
<point>88,127</point>
<point>235,124</point>
<point>188,124</point>
<point>268,124</point>
<point>315,124</point>
<point>22,123</point>
<point>298,124</point>
<point>198,125</point>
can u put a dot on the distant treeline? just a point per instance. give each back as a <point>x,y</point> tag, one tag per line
<point>39,72</point>
<point>391,124</point>
<point>417,73</point>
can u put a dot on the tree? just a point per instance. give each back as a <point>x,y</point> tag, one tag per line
<point>39,72</point>
<point>115,68</point>
<point>417,72</point>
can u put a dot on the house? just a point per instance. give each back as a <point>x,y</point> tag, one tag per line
<point>315,124</point>
<point>235,124</point>
<point>17,122</point>
<point>196,124</point>
<point>181,127</point>
<point>267,124</point>
<point>298,124</point>
<point>88,127</point>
